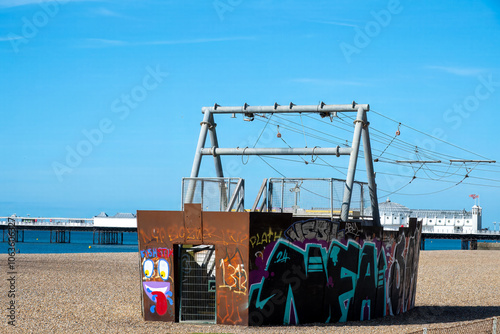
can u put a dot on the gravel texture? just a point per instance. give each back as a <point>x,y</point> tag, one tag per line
<point>100,293</point>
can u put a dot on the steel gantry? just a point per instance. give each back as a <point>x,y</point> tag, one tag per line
<point>360,131</point>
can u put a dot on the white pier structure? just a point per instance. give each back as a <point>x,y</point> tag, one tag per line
<point>106,230</point>
<point>393,215</point>
<point>120,220</point>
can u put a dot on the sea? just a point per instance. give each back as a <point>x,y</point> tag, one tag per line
<point>38,242</point>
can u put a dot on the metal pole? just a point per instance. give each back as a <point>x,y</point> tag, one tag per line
<point>277,151</point>
<point>270,197</point>
<point>242,196</point>
<point>372,185</point>
<point>182,194</point>
<point>282,194</point>
<point>215,143</point>
<point>289,108</point>
<point>197,157</point>
<point>362,200</point>
<point>346,202</point>
<point>331,198</point>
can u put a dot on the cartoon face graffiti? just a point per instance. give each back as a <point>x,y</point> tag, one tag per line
<point>156,273</point>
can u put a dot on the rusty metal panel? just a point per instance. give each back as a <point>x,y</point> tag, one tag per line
<point>192,224</point>
<point>228,231</point>
<point>157,233</point>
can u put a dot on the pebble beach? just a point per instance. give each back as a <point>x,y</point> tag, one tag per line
<point>100,293</point>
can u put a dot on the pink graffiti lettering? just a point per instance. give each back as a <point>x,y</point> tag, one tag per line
<point>157,252</point>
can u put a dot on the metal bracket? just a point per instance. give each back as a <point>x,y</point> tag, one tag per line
<point>210,125</point>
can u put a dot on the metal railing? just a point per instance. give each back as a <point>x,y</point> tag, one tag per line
<point>316,197</point>
<point>300,196</point>
<point>262,195</point>
<point>214,193</point>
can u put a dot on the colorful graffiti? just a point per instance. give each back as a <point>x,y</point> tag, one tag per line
<point>156,273</point>
<point>317,229</point>
<point>233,273</point>
<point>157,252</point>
<point>275,269</point>
<point>265,237</point>
<point>305,280</point>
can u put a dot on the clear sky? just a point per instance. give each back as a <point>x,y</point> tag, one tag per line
<point>101,100</point>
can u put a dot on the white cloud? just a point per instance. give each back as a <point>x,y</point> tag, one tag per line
<point>10,38</point>
<point>106,42</point>
<point>99,42</point>
<point>197,40</point>
<point>336,23</point>
<point>106,12</point>
<point>18,3</point>
<point>461,71</point>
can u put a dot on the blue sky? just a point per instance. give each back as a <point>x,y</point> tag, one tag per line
<point>123,83</point>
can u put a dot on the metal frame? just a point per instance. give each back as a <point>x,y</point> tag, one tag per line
<point>239,192</point>
<point>223,191</point>
<point>360,130</point>
<point>184,280</point>
<point>262,191</point>
<point>283,181</point>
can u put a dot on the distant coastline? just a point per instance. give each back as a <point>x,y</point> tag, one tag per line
<point>38,242</point>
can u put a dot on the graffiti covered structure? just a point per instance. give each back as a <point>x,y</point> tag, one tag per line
<point>278,269</point>
<point>316,274</point>
<point>228,231</point>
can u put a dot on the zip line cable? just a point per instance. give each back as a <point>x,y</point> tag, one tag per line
<point>401,144</point>
<point>436,174</point>
<point>385,173</point>
<point>283,175</point>
<point>321,138</point>
<point>392,140</point>
<point>305,139</point>
<point>422,149</point>
<point>408,147</point>
<point>433,137</point>
<point>265,126</point>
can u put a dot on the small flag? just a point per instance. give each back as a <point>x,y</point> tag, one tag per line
<point>474,196</point>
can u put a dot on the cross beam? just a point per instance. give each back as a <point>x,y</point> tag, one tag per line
<point>290,108</point>
<point>277,151</point>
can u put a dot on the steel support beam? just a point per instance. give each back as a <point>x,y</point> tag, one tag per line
<point>215,143</point>
<point>277,151</point>
<point>346,202</point>
<point>197,156</point>
<point>372,185</point>
<point>291,108</point>
<point>217,161</point>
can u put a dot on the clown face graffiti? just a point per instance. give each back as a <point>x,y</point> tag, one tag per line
<point>156,273</point>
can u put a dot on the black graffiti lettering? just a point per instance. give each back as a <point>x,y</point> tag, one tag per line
<point>366,293</point>
<point>396,277</point>
<point>313,229</point>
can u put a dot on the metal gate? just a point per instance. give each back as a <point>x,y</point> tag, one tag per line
<point>197,290</point>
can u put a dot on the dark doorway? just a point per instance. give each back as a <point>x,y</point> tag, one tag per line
<point>197,289</point>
